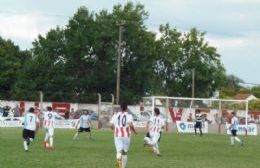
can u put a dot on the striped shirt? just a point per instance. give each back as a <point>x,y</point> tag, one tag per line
<point>121,121</point>
<point>30,121</point>
<point>199,118</point>
<point>49,119</point>
<point>156,123</point>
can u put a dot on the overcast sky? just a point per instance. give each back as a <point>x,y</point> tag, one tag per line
<point>233,26</point>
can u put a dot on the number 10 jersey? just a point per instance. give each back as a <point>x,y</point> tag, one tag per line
<point>121,122</point>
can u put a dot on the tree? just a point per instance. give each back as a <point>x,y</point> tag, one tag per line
<point>45,71</point>
<point>231,86</point>
<point>180,53</point>
<point>12,60</point>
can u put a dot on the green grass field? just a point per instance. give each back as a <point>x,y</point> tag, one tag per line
<point>178,151</point>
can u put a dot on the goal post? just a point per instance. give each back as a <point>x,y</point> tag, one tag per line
<point>179,113</point>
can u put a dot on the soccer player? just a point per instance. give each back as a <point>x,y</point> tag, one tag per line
<point>122,123</point>
<point>48,124</point>
<point>84,124</point>
<point>233,129</point>
<point>198,121</point>
<point>31,125</point>
<point>154,127</point>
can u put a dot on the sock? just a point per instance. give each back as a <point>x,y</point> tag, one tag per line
<point>75,136</point>
<point>237,139</point>
<point>90,136</point>
<point>25,145</point>
<point>51,141</point>
<point>157,149</point>
<point>119,159</point>
<point>232,140</point>
<point>46,137</point>
<point>124,161</point>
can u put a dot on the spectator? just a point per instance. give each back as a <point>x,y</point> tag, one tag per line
<point>223,119</point>
<point>16,111</point>
<point>67,115</point>
<point>190,118</point>
<point>6,111</point>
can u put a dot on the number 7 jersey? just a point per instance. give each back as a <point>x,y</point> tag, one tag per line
<point>121,122</point>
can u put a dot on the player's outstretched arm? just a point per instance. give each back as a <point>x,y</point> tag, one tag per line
<point>132,127</point>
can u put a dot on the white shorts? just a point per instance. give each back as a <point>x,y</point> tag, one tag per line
<point>122,144</point>
<point>49,131</point>
<point>154,136</point>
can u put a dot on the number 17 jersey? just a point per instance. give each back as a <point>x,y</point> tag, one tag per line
<point>121,122</point>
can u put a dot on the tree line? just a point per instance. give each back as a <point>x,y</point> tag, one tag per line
<point>75,62</point>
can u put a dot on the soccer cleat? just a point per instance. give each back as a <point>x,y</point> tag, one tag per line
<point>26,150</point>
<point>159,155</point>
<point>44,145</point>
<point>119,163</point>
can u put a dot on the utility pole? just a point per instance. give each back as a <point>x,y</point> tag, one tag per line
<point>193,83</point>
<point>120,26</point>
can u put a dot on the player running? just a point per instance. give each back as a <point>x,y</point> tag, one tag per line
<point>84,124</point>
<point>233,129</point>
<point>121,123</point>
<point>154,127</point>
<point>31,125</point>
<point>48,124</point>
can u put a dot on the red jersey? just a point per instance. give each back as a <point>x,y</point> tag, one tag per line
<point>156,123</point>
<point>121,121</point>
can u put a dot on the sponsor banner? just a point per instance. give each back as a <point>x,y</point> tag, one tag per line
<point>65,124</point>
<point>11,121</point>
<point>251,129</point>
<point>188,127</point>
<point>17,122</point>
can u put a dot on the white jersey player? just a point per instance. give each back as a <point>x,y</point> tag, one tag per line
<point>154,126</point>
<point>31,125</point>
<point>233,129</point>
<point>122,124</point>
<point>49,118</point>
<point>83,124</point>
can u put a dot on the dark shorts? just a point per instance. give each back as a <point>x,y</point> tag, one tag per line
<point>234,132</point>
<point>198,125</point>
<point>84,129</point>
<point>28,134</point>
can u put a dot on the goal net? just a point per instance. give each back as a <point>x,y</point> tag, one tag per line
<point>179,113</point>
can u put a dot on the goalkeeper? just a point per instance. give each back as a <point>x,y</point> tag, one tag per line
<point>84,124</point>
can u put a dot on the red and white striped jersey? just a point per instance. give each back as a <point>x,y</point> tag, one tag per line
<point>49,119</point>
<point>156,123</point>
<point>121,121</point>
